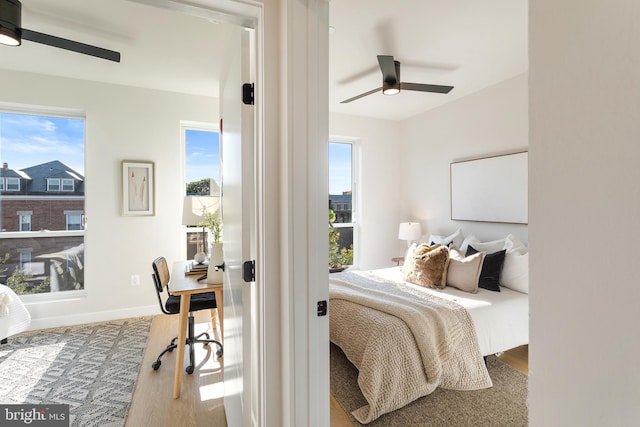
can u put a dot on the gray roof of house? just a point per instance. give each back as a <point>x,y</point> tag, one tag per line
<point>53,169</point>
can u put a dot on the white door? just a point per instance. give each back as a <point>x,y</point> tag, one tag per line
<point>238,219</point>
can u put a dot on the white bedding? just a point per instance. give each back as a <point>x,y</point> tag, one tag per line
<point>501,319</point>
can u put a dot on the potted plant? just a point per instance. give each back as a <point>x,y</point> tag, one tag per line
<point>213,223</point>
<point>339,258</point>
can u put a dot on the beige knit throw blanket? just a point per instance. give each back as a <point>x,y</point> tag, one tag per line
<point>405,343</point>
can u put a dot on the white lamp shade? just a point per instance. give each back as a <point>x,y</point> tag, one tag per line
<point>194,208</point>
<point>409,231</point>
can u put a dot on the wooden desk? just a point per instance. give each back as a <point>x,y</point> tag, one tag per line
<point>185,285</point>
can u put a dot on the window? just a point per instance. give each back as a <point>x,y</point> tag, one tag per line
<point>342,191</point>
<point>25,220</point>
<point>202,173</point>
<point>74,220</point>
<point>13,184</point>
<point>53,184</point>
<point>24,255</point>
<point>50,179</point>
<point>67,185</point>
<point>1,184</point>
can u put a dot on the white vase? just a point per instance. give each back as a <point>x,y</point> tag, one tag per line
<point>215,277</point>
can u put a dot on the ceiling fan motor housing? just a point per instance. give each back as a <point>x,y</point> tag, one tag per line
<point>391,85</point>
<point>11,21</point>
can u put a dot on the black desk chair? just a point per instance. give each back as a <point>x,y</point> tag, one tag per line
<point>171,305</point>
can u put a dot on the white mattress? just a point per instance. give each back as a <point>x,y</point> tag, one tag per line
<point>501,319</point>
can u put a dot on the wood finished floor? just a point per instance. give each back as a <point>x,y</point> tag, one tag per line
<point>201,401</point>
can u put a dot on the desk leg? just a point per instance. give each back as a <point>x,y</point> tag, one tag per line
<point>220,309</point>
<point>182,339</point>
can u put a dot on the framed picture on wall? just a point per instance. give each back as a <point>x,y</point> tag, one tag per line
<point>138,193</point>
<point>491,189</point>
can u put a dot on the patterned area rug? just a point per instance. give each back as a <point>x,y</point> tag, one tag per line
<point>93,368</point>
<point>503,405</point>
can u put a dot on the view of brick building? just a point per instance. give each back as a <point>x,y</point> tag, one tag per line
<point>38,203</point>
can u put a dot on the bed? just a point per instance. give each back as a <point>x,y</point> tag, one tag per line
<point>366,323</point>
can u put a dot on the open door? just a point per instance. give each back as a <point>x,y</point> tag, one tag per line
<point>238,217</point>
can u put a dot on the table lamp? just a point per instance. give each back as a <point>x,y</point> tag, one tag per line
<point>409,231</point>
<point>193,210</point>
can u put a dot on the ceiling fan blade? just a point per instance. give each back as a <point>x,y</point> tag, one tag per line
<point>388,68</point>
<point>71,45</point>
<point>362,95</point>
<point>425,88</point>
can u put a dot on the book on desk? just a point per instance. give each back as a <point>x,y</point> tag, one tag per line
<point>196,268</point>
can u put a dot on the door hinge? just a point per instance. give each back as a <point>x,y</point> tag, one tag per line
<point>249,271</point>
<point>247,94</point>
<point>322,308</point>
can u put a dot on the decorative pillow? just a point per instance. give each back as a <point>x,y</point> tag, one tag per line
<point>456,238</point>
<point>488,247</point>
<point>515,272</point>
<point>491,268</point>
<point>427,267</point>
<point>464,272</point>
<point>513,244</point>
<point>465,243</point>
<point>410,250</point>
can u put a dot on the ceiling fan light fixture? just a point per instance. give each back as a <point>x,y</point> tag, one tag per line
<point>390,88</point>
<point>10,21</point>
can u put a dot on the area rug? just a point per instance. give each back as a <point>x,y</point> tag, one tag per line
<point>504,404</point>
<point>93,368</point>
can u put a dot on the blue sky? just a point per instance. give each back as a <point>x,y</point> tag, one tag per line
<point>31,140</point>
<point>202,155</point>
<point>339,167</point>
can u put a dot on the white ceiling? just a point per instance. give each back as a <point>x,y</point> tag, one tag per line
<point>464,43</point>
<point>159,48</point>
<point>467,44</point>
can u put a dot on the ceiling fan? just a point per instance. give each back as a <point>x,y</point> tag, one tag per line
<point>12,34</point>
<point>391,83</point>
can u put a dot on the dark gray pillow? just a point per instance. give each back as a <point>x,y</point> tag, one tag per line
<point>491,269</point>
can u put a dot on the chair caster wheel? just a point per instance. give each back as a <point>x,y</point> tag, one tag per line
<point>156,365</point>
<point>189,370</point>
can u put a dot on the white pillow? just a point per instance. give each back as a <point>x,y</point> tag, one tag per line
<point>515,272</point>
<point>465,243</point>
<point>457,238</point>
<point>464,272</point>
<point>410,250</point>
<point>488,247</point>
<point>513,244</point>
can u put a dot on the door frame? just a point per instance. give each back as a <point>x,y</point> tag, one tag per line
<point>291,131</point>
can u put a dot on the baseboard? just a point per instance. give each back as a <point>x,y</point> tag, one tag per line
<point>100,316</point>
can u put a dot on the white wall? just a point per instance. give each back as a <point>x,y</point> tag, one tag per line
<point>122,123</point>
<point>380,180</point>
<point>584,208</point>
<point>492,121</point>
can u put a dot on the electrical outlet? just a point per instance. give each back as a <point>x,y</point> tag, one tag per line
<point>135,279</point>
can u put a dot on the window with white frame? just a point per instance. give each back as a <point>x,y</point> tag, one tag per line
<point>12,184</point>
<point>74,220</point>
<point>64,130</point>
<point>202,173</point>
<point>53,184</point>
<point>67,184</point>
<point>342,194</point>
<point>25,220</point>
